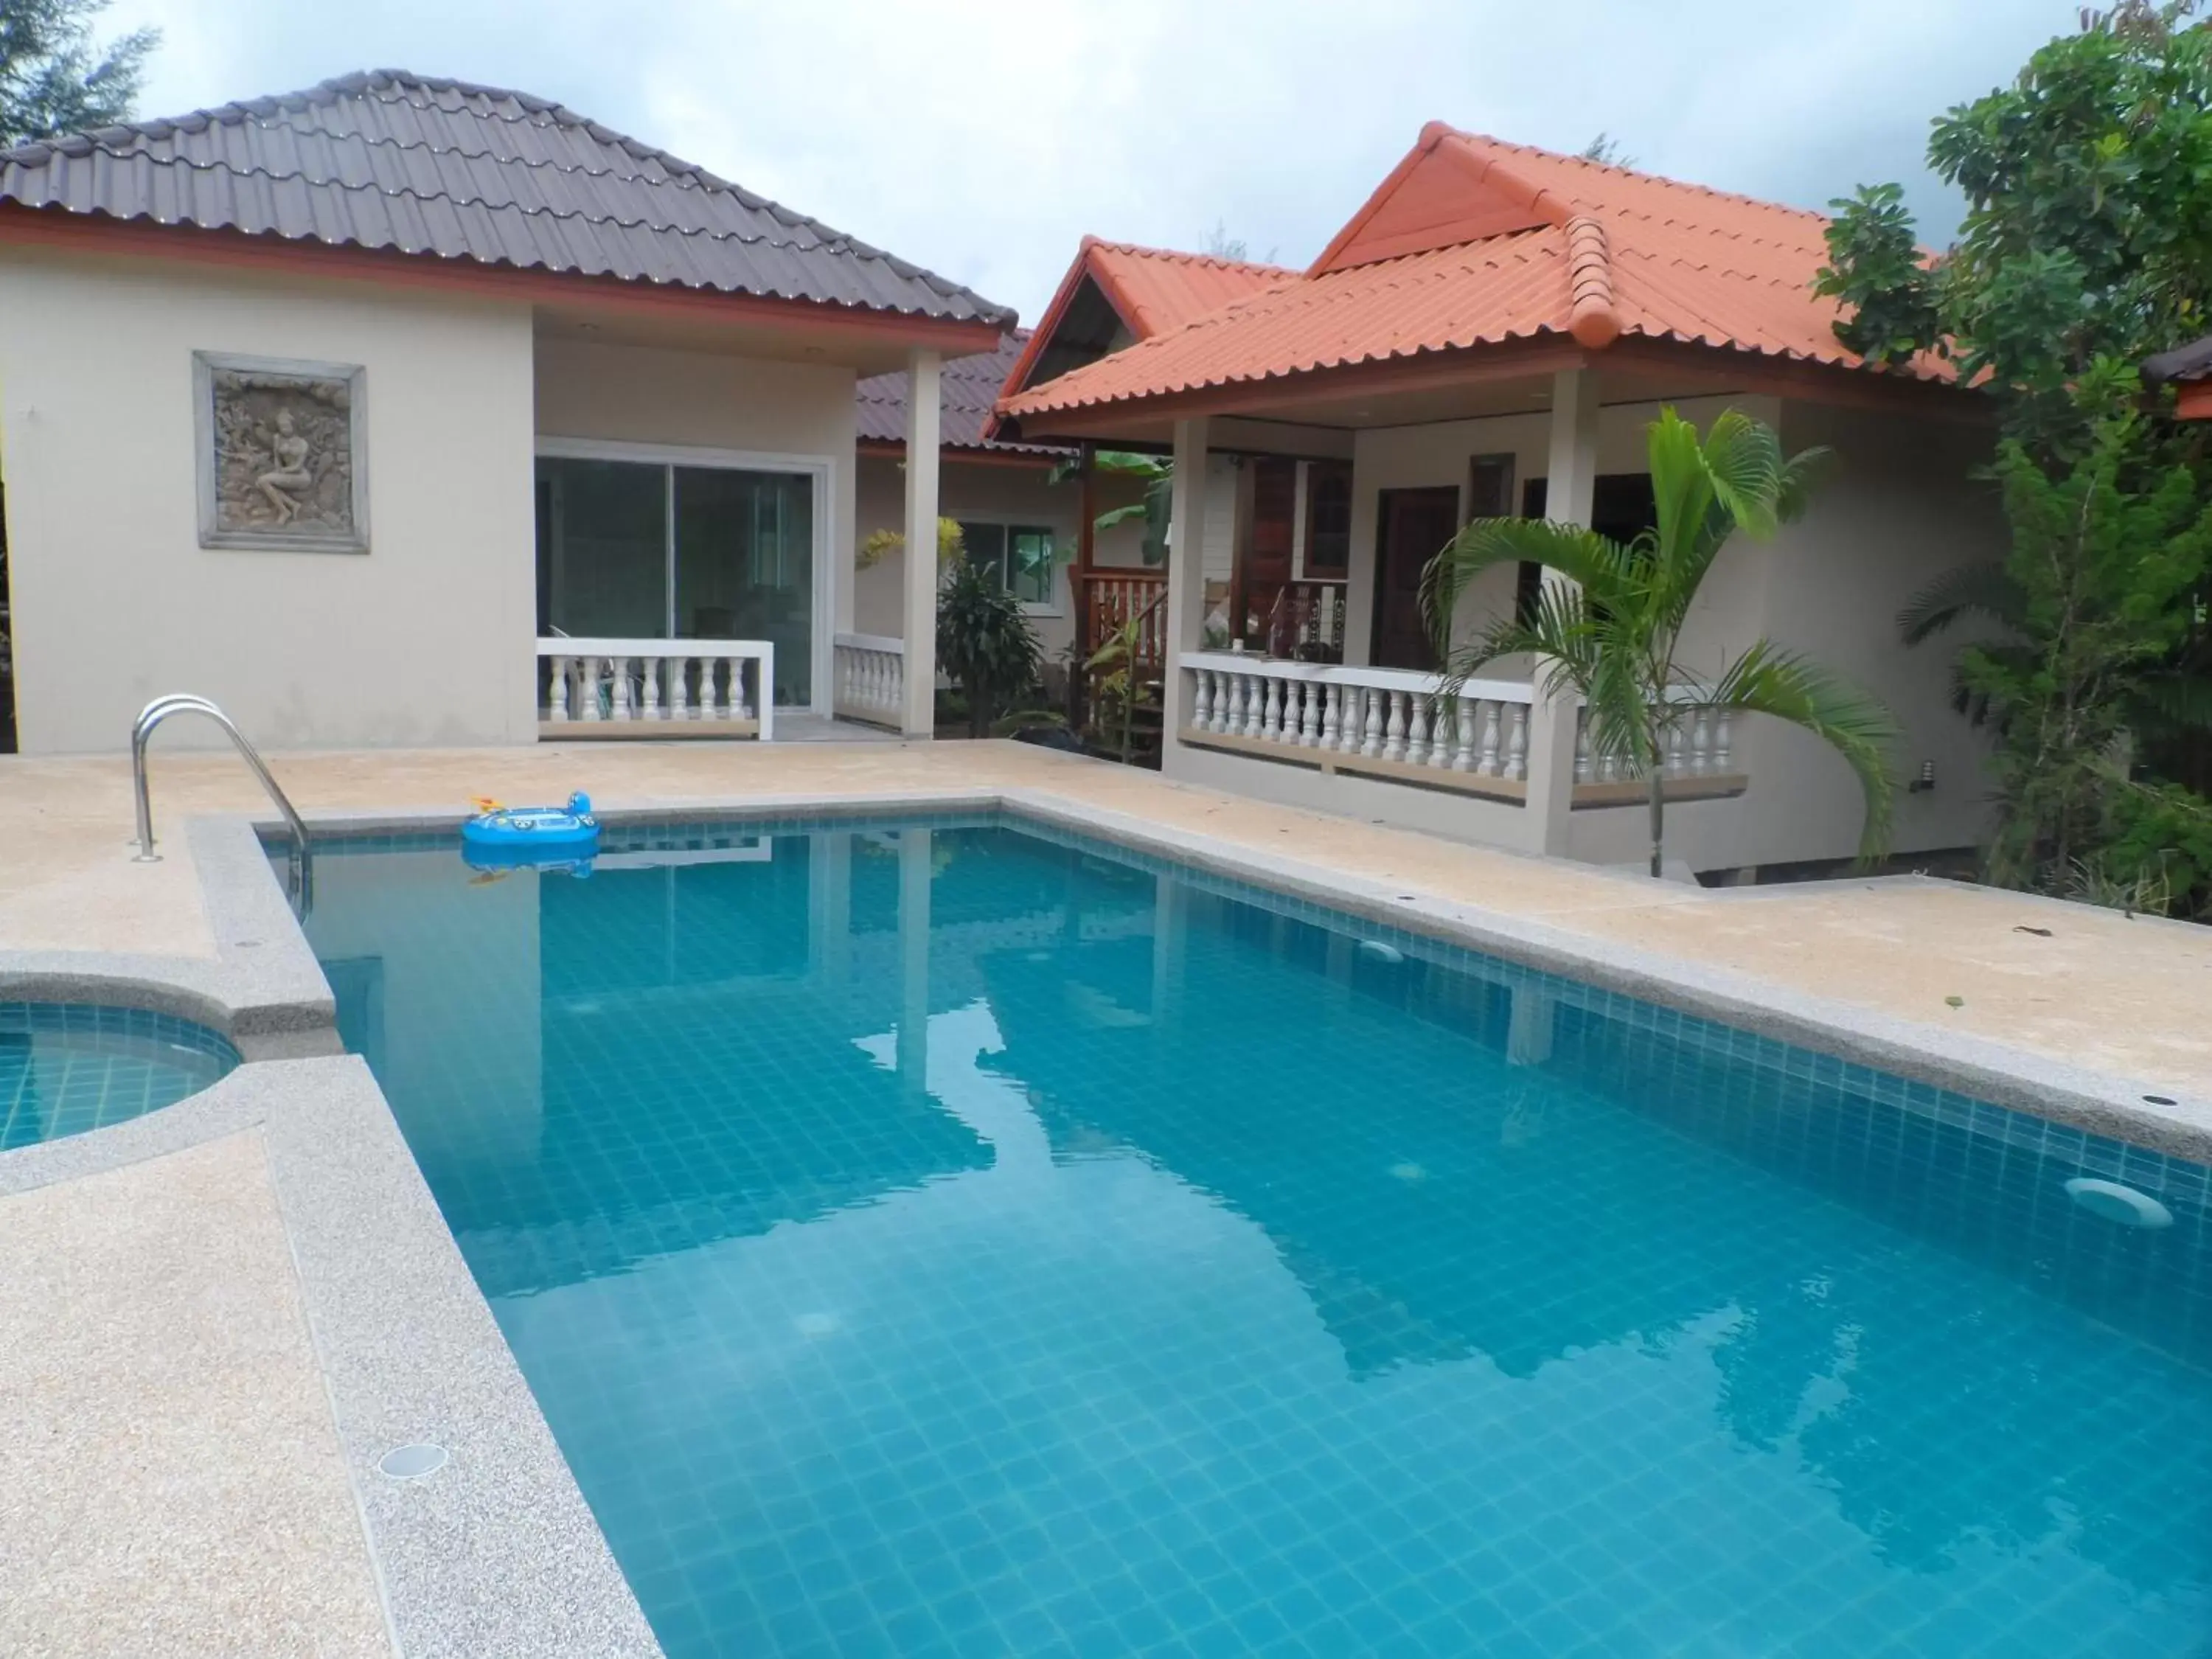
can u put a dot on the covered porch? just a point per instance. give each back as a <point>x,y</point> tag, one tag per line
<point>694,581</point>
<point>1302,672</point>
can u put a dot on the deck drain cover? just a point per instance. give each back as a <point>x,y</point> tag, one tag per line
<point>2114,1202</point>
<point>413,1463</point>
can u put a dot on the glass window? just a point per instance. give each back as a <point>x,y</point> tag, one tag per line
<point>1030,563</point>
<point>603,549</point>
<point>1021,556</point>
<point>745,566</point>
<point>1329,520</point>
<point>734,559</point>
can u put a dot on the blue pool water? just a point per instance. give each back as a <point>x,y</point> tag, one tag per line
<point>950,1240</point>
<point>66,1067</point>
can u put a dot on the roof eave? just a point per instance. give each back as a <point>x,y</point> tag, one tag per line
<point>68,229</point>
<point>1264,396</point>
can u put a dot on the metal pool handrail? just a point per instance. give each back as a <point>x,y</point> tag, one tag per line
<point>181,702</point>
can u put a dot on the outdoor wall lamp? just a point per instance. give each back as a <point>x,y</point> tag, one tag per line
<point>1925,780</point>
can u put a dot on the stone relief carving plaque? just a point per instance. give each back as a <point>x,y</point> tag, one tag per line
<point>283,457</point>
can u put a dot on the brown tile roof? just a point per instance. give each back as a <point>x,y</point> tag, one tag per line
<point>390,161</point>
<point>966,391</point>
<point>1474,241</point>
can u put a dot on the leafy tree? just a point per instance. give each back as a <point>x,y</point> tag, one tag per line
<point>2087,247</point>
<point>1604,150</point>
<point>879,545</point>
<point>53,79</point>
<point>1155,472</point>
<point>985,645</point>
<point>2095,601</point>
<point>1611,631</point>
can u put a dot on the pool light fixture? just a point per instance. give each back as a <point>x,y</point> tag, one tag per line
<point>2113,1202</point>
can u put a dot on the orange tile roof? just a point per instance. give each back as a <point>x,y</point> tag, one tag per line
<point>1473,241</point>
<point>1156,289</point>
<point>1151,290</point>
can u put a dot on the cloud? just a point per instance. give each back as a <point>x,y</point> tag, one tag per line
<point>985,137</point>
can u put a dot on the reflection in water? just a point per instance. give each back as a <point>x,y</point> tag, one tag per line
<point>950,1241</point>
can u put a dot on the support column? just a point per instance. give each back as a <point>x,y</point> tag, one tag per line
<point>918,718</point>
<point>1186,569</point>
<point>1570,488</point>
<point>916,862</point>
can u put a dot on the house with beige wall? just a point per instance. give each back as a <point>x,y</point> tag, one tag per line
<point>1491,333</point>
<point>405,411</point>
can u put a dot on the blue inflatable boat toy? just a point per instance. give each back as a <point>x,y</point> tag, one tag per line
<point>506,837</point>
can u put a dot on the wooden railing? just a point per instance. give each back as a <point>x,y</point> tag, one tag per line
<point>656,687</point>
<point>868,678</point>
<point>1110,600</point>
<point>1385,722</point>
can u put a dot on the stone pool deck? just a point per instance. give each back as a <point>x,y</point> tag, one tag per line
<point>194,1382</point>
<point>2097,990</point>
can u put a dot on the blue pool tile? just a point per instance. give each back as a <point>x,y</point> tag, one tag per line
<point>1209,1287</point>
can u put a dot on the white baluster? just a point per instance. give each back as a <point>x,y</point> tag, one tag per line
<point>679,692</point>
<point>1256,705</point>
<point>1201,702</point>
<point>1270,723</point>
<point>1487,763</point>
<point>1671,757</point>
<point>1463,714</point>
<point>1371,739</point>
<point>1394,749</point>
<point>587,687</point>
<point>751,698</point>
<point>651,667</point>
<point>1417,732</point>
<point>1582,746</point>
<point>1517,747</point>
<point>620,668</point>
<point>1332,714</point>
<point>1721,759</point>
<point>1310,728</point>
<point>1701,744</point>
<point>556,692</point>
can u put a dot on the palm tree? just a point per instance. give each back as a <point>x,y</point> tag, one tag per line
<point>1610,631</point>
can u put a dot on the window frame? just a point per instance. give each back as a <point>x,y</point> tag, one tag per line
<point>1010,527</point>
<point>820,469</point>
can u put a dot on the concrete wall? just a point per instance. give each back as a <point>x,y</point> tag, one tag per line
<point>991,491</point>
<point>426,638</point>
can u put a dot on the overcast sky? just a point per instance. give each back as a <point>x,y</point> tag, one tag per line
<point>984,138</point>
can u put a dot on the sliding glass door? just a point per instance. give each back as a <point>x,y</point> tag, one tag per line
<point>637,549</point>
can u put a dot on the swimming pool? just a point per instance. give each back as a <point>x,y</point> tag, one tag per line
<point>68,1068</point>
<point>943,1238</point>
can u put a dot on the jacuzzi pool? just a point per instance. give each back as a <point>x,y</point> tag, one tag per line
<point>68,1068</point>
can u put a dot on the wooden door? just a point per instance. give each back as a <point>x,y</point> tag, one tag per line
<point>1416,523</point>
<point>1265,568</point>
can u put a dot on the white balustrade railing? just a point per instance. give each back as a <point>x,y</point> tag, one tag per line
<point>1700,745</point>
<point>653,687</point>
<point>867,678</point>
<point>1324,712</point>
